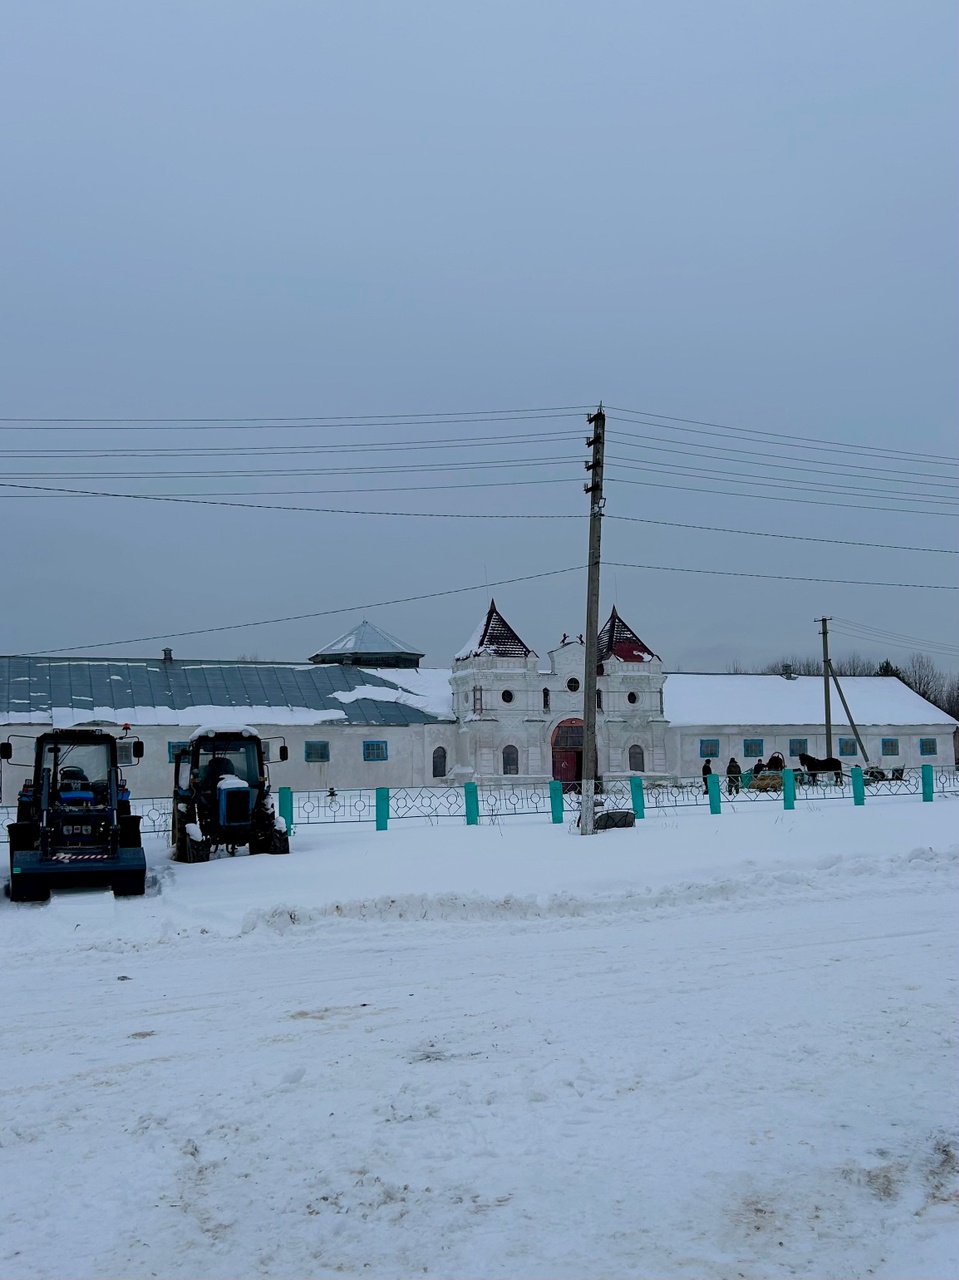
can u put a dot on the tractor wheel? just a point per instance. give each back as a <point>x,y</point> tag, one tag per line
<point>129,884</point>
<point>259,842</point>
<point>29,889</point>
<point>197,850</point>
<point>280,843</point>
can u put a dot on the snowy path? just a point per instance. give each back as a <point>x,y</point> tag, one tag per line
<point>682,1062</point>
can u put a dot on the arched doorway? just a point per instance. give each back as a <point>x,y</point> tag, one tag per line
<point>568,752</point>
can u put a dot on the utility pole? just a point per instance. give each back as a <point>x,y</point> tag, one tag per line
<point>825,683</point>
<point>597,443</point>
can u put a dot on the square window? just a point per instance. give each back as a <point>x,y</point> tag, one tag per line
<point>847,746</point>
<point>890,746</point>
<point>174,747</point>
<point>752,748</point>
<point>316,752</point>
<point>373,751</point>
<point>124,753</point>
<point>799,746</point>
<point>708,748</point>
<point>928,747</point>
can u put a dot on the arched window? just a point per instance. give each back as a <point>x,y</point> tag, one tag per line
<point>439,762</point>
<point>545,699</point>
<point>637,758</point>
<point>510,760</point>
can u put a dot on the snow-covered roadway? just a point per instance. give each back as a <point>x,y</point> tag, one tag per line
<point>704,1047</point>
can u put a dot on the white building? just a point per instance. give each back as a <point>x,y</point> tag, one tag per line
<point>362,713</point>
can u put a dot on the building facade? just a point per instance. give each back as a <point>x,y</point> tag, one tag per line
<point>362,713</point>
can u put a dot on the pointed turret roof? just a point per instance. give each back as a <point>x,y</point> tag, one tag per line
<point>494,635</point>
<point>368,646</point>
<point>617,640</point>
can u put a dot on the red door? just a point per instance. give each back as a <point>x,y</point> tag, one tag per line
<point>568,752</point>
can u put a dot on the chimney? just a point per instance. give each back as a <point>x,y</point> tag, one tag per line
<point>167,655</point>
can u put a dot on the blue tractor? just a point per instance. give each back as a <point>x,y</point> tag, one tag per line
<point>221,796</point>
<point>74,826</point>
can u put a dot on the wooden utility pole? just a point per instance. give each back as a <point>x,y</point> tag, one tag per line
<point>597,443</point>
<point>825,683</point>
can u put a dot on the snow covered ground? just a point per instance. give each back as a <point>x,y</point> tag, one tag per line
<point>703,1047</point>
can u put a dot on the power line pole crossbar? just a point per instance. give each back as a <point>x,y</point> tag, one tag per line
<point>597,442</point>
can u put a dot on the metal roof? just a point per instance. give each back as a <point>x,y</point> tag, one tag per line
<point>153,691</point>
<point>364,641</point>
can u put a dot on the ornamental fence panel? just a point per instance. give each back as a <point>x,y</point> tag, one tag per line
<point>503,800</point>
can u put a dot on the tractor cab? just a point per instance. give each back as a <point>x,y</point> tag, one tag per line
<point>222,796</point>
<point>74,825</point>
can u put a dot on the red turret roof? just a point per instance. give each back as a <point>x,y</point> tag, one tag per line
<point>617,640</point>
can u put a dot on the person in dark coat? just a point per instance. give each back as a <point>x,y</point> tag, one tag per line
<point>776,762</point>
<point>758,768</point>
<point>707,770</point>
<point>733,774</point>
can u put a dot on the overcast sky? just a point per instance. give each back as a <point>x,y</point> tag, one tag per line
<point>734,213</point>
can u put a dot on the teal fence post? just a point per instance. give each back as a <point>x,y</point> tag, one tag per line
<point>472,804</point>
<point>927,782</point>
<point>382,808</point>
<point>285,797</point>
<point>556,799</point>
<point>638,798</point>
<point>789,789</point>
<point>712,786</point>
<point>858,790</point>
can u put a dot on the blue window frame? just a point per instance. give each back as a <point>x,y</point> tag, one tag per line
<point>752,748</point>
<point>890,746</point>
<point>928,747</point>
<point>708,748</point>
<point>316,752</point>
<point>174,747</point>
<point>374,751</point>
<point>847,746</point>
<point>799,746</point>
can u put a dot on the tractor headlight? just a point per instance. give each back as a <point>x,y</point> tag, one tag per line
<point>68,830</point>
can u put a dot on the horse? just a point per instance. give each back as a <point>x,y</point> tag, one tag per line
<point>815,767</point>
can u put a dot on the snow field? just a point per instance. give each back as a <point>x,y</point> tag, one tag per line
<point>702,1047</point>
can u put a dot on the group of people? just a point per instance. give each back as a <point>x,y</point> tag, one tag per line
<point>734,772</point>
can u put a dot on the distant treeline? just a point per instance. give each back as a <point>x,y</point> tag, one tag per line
<point>919,672</point>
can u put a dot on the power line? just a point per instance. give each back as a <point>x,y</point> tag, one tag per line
<point>761,457</point>
<point>859,631</point>
<point>792,537</point>
<point>782,440</point>
<point>778,482</point>
<point>302,617</point>
<point>305,422</point>
<point>216,501</point>
<point>769,497</point>
<point>781,577</point>
<point>419,468</point>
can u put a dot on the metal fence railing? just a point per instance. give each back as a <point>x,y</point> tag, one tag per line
<point>502,800</point>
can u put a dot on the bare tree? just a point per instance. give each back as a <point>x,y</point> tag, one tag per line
<point>920,673</point>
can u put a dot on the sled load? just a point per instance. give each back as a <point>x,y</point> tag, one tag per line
<point>74,827</point>
<point>221,796</point>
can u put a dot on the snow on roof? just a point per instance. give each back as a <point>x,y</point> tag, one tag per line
<point>494,635</point>
<point>768,700</point>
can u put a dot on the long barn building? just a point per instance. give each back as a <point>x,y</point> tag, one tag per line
<point>362,712</point>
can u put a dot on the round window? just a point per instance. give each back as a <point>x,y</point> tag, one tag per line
<point>632,698</point>
<point>507,696</point>
<point>572,684</point>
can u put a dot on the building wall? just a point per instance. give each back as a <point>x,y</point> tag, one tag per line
<point>409,756</point>
<point>686,761</point>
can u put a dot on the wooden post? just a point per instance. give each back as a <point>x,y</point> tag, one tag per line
<point>382,808</point>
<point>556,800</point>
<point>594,489</point>
<point>638,798</point>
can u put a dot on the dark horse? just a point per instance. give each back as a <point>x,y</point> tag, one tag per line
<point>815,767</point>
